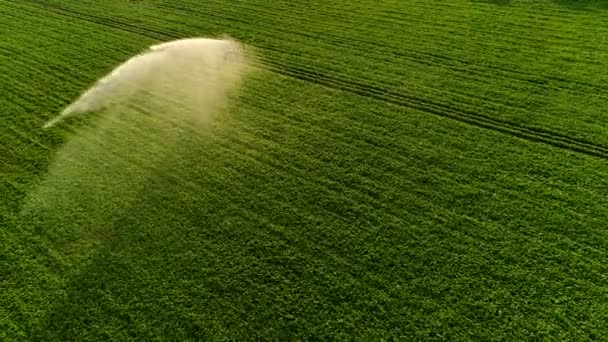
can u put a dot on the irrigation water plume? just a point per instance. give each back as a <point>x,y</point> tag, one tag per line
<point>188,74</point>
<point>153,117</point>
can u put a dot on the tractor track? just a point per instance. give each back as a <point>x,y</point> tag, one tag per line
<point>536,134</point>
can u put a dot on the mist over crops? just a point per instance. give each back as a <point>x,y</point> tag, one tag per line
<point>181,81</point>
<point>167,96</point>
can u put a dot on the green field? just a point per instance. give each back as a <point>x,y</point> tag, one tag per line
<point>395,169</point>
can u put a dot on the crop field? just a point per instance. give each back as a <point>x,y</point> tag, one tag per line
<point>385,170</point>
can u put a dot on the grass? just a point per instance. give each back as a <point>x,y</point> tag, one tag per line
<point>407,170</point>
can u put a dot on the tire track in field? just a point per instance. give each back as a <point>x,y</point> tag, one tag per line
<point>429,106</point>
<point>535,134</point>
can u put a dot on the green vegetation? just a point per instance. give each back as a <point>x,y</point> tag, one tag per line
<point>405,169</point>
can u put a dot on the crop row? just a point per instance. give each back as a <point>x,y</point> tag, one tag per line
<point>365,35</point>
<point>224,17</point>
<point>513,90</point>
<point>478,123</point>
<point>483,105</point>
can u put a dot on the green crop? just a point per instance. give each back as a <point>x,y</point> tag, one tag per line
<point>389,170</point>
